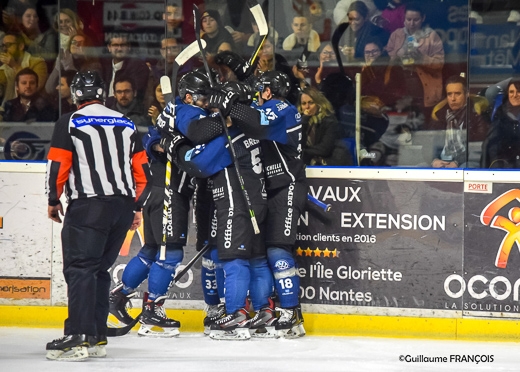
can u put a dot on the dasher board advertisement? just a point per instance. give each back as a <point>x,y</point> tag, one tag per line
<point>387,244</point>
<point>491,280</point>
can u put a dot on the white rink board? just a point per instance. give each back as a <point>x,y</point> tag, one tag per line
<point>27,232</point>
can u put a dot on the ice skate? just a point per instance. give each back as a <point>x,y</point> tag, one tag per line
<point>155,322</point>
<point>119,303</point>
<point>232,327</point>
<point>97,346</point>
<point>213,313</point>
<point>70,348</point>
<point>264,321</point>
<point>290,323</point>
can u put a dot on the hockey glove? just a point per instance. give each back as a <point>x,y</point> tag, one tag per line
<point>235,62</point>
<point>222,100</point>
<point>166,119</point>
<point>244,91</point>
<point>172,141</point>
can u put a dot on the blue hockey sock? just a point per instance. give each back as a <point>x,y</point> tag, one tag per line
<point>219,272</point>
<point>236,284</point>
<point>138,268</point>
<point>261,284</point>
<point>286,280</point>
<point>209,280</point>
<point>161,272</point>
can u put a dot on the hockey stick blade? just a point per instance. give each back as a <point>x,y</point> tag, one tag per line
<point>121,331</point>
<point>166,88</point>
<point>258,15</point>
<point>196,16</point>
<point>263,30</point>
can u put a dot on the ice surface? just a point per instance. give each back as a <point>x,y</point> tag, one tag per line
<point>23,350</point>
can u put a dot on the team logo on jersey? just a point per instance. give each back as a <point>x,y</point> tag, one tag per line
<point>282,265</point>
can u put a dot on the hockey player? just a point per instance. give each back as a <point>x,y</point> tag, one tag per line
<point>96,156</point>
<point>240,252</point>
<point>154,321</point>
<point>286,186</point>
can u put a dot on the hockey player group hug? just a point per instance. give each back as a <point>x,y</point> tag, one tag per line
<point>247,153</point>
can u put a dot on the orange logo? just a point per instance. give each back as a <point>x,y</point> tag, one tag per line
<point>1,222</point>
<point>19,288</point>
<point>510,225</point>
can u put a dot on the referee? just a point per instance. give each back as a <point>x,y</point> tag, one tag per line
<point>96,157</point>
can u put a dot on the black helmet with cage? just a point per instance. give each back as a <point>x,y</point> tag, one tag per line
<point>277,81</point>
<point>194,82</point>
<point>87,86</point>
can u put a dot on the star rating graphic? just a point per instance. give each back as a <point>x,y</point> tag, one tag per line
<point>308,252</point>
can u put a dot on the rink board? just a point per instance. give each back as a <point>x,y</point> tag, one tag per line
<point>402,252</point>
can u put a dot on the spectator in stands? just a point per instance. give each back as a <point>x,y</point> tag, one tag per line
<point>79,57</point>
<point>215,34</point>
<point>68,24</point>
<point>28,106</point>
<point>379,77</point>
<point>382,90</point>
<point>13,59</point>
<point>359,32</point>
<point>451,115</point>
<point>327,63</point>
<point>237,20</point>
<point>340,13</point>
<point>303,38</point>
<point>420,51</point>
<point>157,105</point>
<point>122,64</point>
<point>40,44</point>
<point>173,18</point>
<point>65,104</point>
<point>500,149</point>
<point>321,141</point>
<point>127,103</point>
<point>170,49</point>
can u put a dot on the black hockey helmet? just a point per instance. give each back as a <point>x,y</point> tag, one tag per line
<point>277,81</point>
<point>194,82</point>
<point>87,86</point>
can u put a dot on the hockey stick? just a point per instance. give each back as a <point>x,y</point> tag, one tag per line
<point>115,332</point>
<point>263,30</point>
<point>169,96</point>
<point>336,36</point>
<point>335,41</point>
<point>196,15</point>
<point>358,118</point>
<point>319,203</point>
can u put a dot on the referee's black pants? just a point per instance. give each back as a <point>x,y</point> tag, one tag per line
<point>93,231</point>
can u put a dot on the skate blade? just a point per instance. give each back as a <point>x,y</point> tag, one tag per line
<point>75,354</point>
<point>98,351</point>
<point>207,330</point>
<point>240,334</point>
<point>264,332</point>
<point>156,331</point>
<point>294,332</point>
